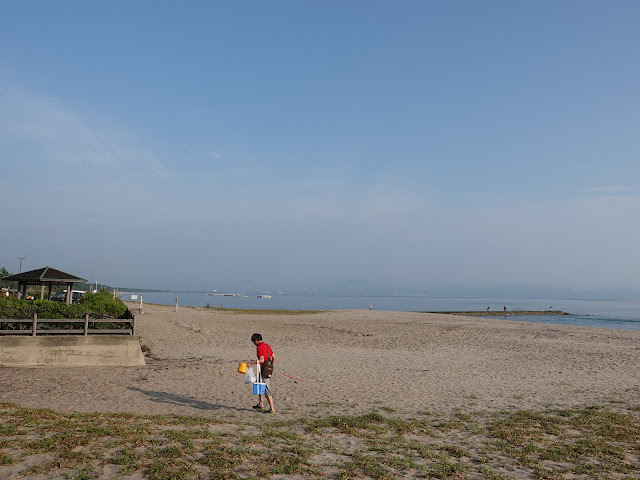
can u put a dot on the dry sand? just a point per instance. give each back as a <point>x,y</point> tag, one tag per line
<point>351,362</point>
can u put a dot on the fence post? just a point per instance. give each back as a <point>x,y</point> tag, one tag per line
<point>35,324</point>
<point>86,324</point>
<point>133,325</point>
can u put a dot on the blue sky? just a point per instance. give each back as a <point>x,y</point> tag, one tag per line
<point>293,144</point>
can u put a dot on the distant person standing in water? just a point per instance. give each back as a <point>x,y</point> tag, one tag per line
<point>265,357</point>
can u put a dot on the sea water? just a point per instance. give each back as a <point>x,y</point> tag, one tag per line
<point>623,314</point>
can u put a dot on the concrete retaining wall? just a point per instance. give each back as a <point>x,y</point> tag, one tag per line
<point>71,351</point>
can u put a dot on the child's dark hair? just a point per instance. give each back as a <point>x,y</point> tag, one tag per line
<point>256,337</point>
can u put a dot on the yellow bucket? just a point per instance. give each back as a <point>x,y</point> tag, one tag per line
<point>242,368</point>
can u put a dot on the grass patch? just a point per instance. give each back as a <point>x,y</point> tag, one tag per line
<point>594,442</point>
<point>6,459</point>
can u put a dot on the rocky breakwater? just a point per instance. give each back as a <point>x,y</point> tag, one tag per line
<point>503,313</point>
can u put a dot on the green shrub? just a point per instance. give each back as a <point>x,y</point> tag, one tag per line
<point>105,304</point>
<point>98,305</point>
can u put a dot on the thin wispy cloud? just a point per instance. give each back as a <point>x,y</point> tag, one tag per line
<point>56,134</point>
<point>478,195</point>
<point>609,189</point>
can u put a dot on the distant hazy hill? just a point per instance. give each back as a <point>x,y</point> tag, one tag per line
<point>529,291</point>
<point>363,287</point>
<point>499,291</point>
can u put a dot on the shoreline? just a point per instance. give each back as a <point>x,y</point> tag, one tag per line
<point>134,306</point>
<point>616,314</point>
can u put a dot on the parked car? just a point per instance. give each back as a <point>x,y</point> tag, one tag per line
<point>76,296</point>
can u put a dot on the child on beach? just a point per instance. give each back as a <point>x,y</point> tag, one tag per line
<point>264,353</point>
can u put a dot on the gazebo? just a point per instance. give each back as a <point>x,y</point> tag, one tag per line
<point>45,276</point>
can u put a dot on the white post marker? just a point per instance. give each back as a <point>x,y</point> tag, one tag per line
<point>176,304</point>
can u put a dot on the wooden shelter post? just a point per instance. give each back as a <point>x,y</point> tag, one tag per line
<point>69,292</point>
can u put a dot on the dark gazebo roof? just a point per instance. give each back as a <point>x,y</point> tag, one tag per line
<point>44,275</point>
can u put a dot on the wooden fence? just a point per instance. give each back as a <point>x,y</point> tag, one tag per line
<point>43,326</point>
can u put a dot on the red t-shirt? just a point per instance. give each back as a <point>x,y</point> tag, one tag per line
<point>263,350</point>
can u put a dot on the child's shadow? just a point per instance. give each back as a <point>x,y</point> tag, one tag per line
<point>182,401</point>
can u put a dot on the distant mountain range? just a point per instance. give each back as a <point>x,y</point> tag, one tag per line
<point>363,287</point>
<point>494,291</point>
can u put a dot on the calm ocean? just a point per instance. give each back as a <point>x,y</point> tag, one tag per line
<point>623,314</point>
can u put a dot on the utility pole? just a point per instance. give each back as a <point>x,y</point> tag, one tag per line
<point>20,259</point>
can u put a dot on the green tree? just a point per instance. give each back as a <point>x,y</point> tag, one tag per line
<point>3,273</point>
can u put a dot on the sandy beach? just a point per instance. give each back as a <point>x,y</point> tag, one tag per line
<point>352,362</point>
